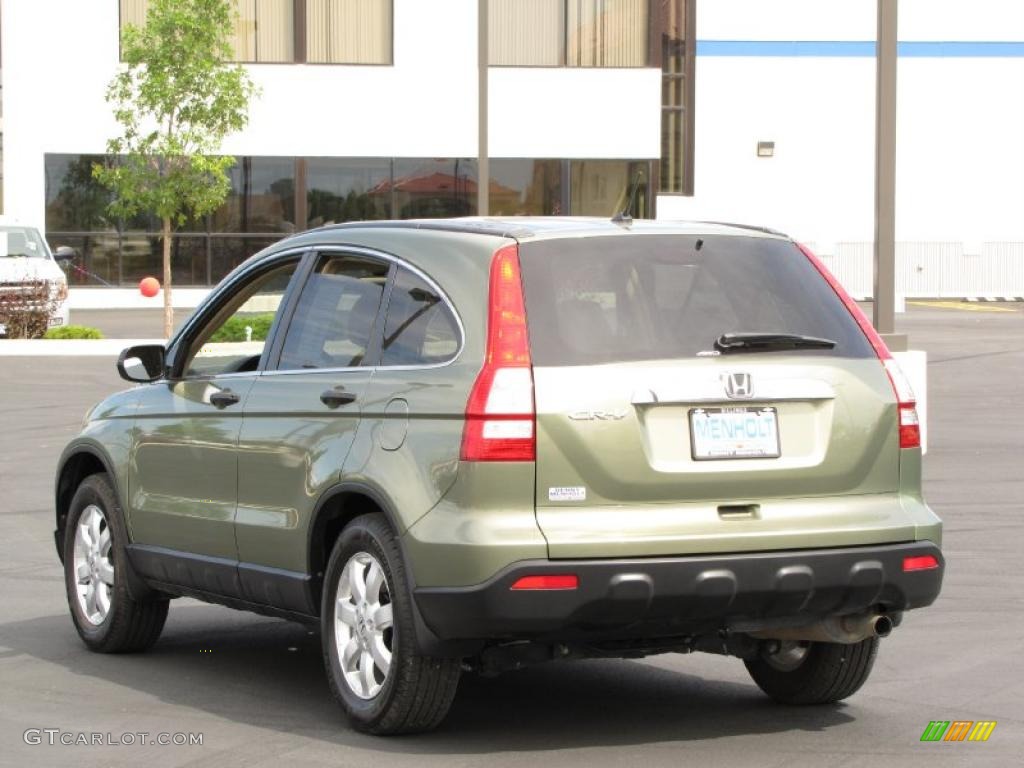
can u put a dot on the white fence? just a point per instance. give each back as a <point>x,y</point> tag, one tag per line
<point>935,270</point>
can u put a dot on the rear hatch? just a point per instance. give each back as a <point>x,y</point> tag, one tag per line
<point>653,441</point>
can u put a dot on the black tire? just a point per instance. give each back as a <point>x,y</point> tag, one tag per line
<point>418,690</point>
<point>130,625</point>
<point>829,672</point>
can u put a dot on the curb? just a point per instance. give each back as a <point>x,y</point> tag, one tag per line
<point>68,347</point>
<point>130,298</point>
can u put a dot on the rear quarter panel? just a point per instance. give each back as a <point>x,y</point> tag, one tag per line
<point>411,447</point>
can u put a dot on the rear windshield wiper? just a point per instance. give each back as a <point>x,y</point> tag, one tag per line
<point>757,342</point>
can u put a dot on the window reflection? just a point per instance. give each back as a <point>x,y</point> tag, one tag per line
<point>226,253</point>
<point>603,187</point>
<point>429,189</point>
<point>262,206</point>
<point>262,197</point>
<point>339,189</point>
<point>526,188</point>
<point>75,201</point>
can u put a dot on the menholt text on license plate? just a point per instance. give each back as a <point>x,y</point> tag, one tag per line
<point>734,433</point>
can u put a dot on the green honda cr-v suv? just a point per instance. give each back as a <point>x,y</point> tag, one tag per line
<point>479,443</point>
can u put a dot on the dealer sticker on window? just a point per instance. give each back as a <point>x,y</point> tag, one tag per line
<point>567,493</point>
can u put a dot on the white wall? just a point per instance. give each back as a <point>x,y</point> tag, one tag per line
<point>423,106</point>
<point>960,140</point>
<point>960,124</point>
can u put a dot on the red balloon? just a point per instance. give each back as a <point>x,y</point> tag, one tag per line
<point>149,287</point>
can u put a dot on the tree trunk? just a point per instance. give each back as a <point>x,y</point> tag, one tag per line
<point>168,307</point>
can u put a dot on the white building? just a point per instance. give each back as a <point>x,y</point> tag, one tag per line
<point>369,109</point>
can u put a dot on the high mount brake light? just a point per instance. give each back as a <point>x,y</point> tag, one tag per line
<point>906,405</point>
<point>500,412</point>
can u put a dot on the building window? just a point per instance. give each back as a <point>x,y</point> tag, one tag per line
<point>527,188</point>
<point>526,33</point>
<point>342,189</point>
<point>674,28</point>
<point>271,197</point>
<point>264,29</point>
<point>573,33</point>
<point>262,197</point>
<point>348,31</point>
<point>287,31</point>
<point>604,187</point>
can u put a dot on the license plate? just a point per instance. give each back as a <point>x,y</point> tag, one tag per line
<point>734,433</point>
<point>56,321</point>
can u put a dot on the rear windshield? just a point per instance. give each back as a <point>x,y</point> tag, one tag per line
<point>652,297</point>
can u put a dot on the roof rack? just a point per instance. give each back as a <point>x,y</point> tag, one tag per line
<point>469,226</point>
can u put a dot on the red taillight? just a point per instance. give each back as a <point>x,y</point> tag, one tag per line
<point>548,581</point>
<point>920,563</point>
<point>500,413</point>
<point>909,425</point>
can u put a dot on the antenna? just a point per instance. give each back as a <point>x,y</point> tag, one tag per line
<point>625,216</point>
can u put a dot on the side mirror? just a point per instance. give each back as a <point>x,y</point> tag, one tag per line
<point>142,363</point>
<point>64,253</point>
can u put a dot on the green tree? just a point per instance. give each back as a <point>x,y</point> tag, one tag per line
<point>175,99</point>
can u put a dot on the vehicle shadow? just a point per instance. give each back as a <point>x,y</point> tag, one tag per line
<point>269,674</point>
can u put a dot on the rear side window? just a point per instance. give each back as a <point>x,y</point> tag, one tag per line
<point>651,297</point>
<point>420,329</point>
<point>334,318</point>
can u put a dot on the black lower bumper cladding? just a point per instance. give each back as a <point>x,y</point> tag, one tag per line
<point>651,597</point>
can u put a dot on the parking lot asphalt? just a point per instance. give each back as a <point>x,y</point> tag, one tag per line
<point>255,688</point>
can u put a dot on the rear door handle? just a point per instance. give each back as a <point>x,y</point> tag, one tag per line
<point>224,398</point>
<point>332,398</point>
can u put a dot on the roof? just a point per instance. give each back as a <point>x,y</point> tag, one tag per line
<point>524,227</point>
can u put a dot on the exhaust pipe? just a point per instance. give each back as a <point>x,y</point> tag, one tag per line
<point>883,626</point>
<point>835,629</point>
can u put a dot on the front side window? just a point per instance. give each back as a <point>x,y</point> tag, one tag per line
<point>233,340</point>
<point>335,316</point>
<point>420,328</point>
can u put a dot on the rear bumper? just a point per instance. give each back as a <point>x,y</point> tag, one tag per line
<point>646,598</point>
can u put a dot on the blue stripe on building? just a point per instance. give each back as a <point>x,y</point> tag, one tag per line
<point>860,48</point>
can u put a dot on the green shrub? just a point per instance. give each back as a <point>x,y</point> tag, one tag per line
<point>234,328</point>
<point>73,332</point>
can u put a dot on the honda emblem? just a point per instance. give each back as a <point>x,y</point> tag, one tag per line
<point>738,386</point>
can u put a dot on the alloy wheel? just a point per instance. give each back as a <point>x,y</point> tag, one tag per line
<point>364,630</point>
<point>94,570</point>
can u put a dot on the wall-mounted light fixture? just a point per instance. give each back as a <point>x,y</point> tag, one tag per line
<point>766,149</point>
